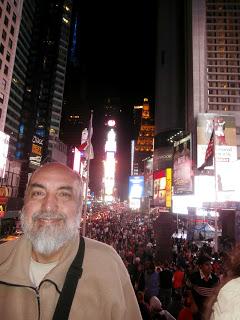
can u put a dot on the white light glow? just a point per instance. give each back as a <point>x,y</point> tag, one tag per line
<point>4,143</point>
<point>76,161</point>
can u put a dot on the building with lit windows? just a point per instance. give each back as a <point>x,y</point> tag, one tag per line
<point>32,85</point>
<point>144,143</point>
<point>10,16</point>
<point>197,93</point>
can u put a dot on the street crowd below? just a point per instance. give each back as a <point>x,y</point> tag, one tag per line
<point>175,289</point>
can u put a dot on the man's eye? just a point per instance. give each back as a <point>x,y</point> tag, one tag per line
<point>64,195</point>
<point>36,193</point>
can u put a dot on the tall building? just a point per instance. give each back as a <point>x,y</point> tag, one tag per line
<point>36,76</point>
<point>10,16</point>
<point>198,66</point>
<point>19,75</point>
<point>198,74</point>
<point>144,141</point>
<point>214,60</point>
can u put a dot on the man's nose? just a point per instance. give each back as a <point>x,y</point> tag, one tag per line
<point>50,203</point>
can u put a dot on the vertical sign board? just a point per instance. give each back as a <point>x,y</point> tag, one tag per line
<point>4,142</point>
<point>37,151</point>
<point>182,167</point>
<point>225,143</point>
<point>136,191</point>
<point>3,200</point>
<point>168,188</point>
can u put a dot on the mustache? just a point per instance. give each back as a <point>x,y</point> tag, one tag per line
<point>48,216</point>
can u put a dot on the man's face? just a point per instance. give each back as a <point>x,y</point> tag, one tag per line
<point>206,268</point>
<point>52,203</point>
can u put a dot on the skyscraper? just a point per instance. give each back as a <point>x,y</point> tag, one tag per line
<point>10,16</point>
<point>35,105</point>
<point>198,64</point>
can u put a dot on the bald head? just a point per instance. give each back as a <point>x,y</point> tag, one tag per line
<point>53,168</point>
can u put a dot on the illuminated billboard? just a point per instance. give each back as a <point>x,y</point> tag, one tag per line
<point>4,143</point>
<point>162,188</point>
<point>37,151</point>
<point>222,130</point>
<point>182,167</point>
<point>136,190</point>
<point>77,160</point>
<point>110,166</point>
<point>148,177</point>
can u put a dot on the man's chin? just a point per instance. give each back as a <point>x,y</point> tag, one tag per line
<point>48,239</point>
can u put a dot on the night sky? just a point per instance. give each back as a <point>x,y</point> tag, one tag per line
<point>114,56</point>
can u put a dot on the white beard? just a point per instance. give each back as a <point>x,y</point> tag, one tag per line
<point>51,237</point>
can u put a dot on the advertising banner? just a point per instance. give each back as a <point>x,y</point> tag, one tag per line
<point>216,136</point>
<point>37,150</point>
<point>4,142</point>
<point>163,157</point>
<point>182,167</point>
<point>159,195</point>
<point>163,188</point>
<point>136,190</point>
<point>148,177</point>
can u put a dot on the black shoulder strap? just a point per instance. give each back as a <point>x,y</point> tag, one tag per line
<point>70,284</point>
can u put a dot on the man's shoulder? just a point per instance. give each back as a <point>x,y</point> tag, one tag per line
<point>97,247</point>
<point>6,248</point>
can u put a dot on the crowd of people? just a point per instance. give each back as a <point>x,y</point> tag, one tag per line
<point>176,289</point>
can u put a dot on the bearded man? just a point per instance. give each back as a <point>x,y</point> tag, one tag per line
<point>36,271</point>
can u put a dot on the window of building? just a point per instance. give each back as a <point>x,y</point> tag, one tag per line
<point>6,21</point>
<point>2,1</point>
<point>4,35</point>
<point>8,8</point>
<point>0,12</point>
<point>1,97</point>
<point>15,2</point>
<point>10,43</point>
<point>14,17</point>
<point>6,70</point>
<point>1,48</point>
<point>0,113</point>
<point>12,30</point>
<point>4,84</point>
<point>0,64</point>
<point>8,56</point>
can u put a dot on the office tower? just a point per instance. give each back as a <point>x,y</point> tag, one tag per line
<point>43,98</point>
<point>214,73</point>
<point>198,66</point>
<point>170,104</point>
<point>36,97</point>
<point>19,75</point>
<point>10,16</point>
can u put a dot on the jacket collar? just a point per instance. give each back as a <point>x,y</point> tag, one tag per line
<point>15,269</point>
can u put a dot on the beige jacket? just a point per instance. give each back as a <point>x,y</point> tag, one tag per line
<point>104,291</point>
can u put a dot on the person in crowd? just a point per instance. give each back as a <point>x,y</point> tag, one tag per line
<point>224,304</point>
<point>38,269</point>
<point>203,283</point>
<point>157,311</point>
<point>151,280</point>
<point>176,305</point>
<point>178,279</point>
<point>165,279</point>
<point>144,307</point>
<point>187,312</point>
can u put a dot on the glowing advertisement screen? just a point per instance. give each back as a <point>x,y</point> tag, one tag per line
<point>225,147</point>
<point>4,142</point>
<point>182,167</point>
<point>77,160</point>
<point>136,187</point>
